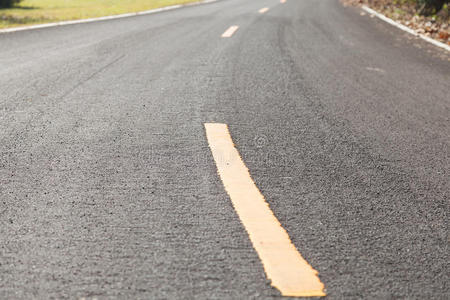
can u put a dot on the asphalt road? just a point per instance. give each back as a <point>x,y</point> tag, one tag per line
<point>108,188</point>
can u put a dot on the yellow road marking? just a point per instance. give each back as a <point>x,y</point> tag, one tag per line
<point>289,272</point>
<point>229,32</point>
<point>263,10</point>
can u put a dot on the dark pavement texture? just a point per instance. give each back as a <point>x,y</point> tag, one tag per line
<point>108,188</point>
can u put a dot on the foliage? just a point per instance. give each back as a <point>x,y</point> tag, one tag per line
<point>8,3</point>
<point>431,7</point>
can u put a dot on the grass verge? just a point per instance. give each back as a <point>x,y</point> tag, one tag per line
<point>31,12</point>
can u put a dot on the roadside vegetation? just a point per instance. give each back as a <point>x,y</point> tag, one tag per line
<point>8,3</point>
<point>428,17</point>
<point>29,12</point>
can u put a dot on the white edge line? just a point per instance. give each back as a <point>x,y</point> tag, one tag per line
<point>139,13</point>
<point>405,28</point>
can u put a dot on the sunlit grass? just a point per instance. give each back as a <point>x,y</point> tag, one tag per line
<point>43,11</point>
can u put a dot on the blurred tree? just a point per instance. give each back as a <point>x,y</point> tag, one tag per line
<point>431,7</point>
<point>8,3</point>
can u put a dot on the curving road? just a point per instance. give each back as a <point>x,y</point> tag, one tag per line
<point>108,188</point>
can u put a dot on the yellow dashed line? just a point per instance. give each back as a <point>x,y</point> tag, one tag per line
<point>289,272</point>
<point>229,32</point>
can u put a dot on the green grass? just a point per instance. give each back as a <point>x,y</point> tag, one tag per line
<point>31,12</point>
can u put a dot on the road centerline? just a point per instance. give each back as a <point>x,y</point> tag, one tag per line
<point>230,31</point>
<point>288,271</point>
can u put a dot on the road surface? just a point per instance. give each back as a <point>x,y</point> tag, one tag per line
<point>109,189</point>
